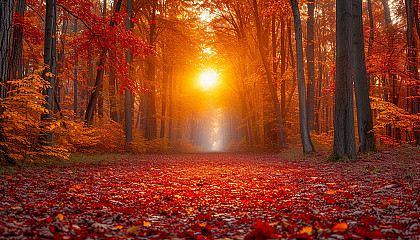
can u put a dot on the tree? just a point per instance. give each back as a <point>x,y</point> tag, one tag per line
<point>6,16</point>
<point>304,130</point>
<point>127,103</point>
<point>344,136</point>
<point>361,88</point>
<point>412,63</point>
<point>273,94</point>
<point>99,77</point>
<point>50,66</point>
<point>310,51</point>
<point>17,47</point>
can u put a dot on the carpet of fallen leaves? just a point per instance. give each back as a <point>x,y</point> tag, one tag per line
<point>216,196</point>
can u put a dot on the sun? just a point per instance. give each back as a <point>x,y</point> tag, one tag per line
<point>208,79</point>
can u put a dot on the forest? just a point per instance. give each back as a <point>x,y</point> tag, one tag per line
<point>209,119</point>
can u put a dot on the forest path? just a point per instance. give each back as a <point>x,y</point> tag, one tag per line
<point>217,196</point>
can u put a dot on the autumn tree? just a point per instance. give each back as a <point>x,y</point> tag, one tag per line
<point>6,16</point>
<point>50,67</point>
<point>361,88</point>
<point>303,119</point>
<point>344,136</point>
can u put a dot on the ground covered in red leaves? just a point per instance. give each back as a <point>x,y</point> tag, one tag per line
<point>217,196</point>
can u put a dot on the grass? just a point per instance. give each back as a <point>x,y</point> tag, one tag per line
<point>75,159</point>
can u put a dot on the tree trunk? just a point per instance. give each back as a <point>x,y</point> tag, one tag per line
<point>412,63</point>
<point>99,78</point>
<point>310,52</point>
<point>76,63</point>
<point>361,86</point>
<point>49,71</point>
<point>304,130</point>
<point>273,94</point>
<point>151,125</point>
<point>17,45</point>
<point>127,104</point>
<point>387,13</point>
<point>6,17</point>
<point>344,135</point>
<point>283,67</point>
<point>166,72</point>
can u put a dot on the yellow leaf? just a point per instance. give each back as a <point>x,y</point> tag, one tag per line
<point>80,195</point>
<point>330,192</point>
<point>60,216</point>
<point>146,224</point>
<point>119,227</point>
<point>78,187</point>
<point>70,171</point>
<point>177,196</point>
<point>304,230</point>
<point>72,189</point>
<point>340,227</point>
<point>133,230</point>
<point>274,223</point>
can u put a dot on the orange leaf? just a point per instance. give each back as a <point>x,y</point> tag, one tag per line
<point>340,227</point>
<point>60,216</point>
<point>80,195</point>
<point>304,230</point>
<point>330,192</point>
<point>119,227</point>
<point>146,224</point>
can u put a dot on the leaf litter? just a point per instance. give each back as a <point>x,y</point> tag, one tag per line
<point>215,196</point>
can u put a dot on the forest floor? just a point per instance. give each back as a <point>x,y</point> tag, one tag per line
<point>217,196</point>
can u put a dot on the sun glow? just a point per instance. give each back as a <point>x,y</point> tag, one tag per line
<point>208,79</point>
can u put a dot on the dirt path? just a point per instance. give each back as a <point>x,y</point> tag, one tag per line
<point>216,196</point>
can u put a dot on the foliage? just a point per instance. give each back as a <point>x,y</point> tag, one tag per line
<point>389,114</point>
<point>103,136</point>
<point>21,123</point>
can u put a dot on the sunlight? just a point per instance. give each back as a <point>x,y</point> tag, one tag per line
<point>208,79</point>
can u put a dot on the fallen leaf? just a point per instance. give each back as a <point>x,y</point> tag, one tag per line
<point>146,224</point>
<point>133,230</point>
<point>330,192</point>
<point>60,216</point>
<point>340,227</point>
<point>304,230</point>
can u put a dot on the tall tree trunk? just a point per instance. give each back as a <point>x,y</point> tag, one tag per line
<point>49,71</point>
<point>304,129</point>
<point>6,18</point>
<point>273,94</point>
<point>283,66</point>
<point>127,105</point>
<point>151,125</point>
<point>99,78</point>
<point>101,88</point>
<point>371,36</point>
<point>75,87</point>
<point>310,52</point>
<point>412,63</point>
<point>361,85</point>
<point>166,72</point>
<point>344,135</point>
<point>387,13</point>
<point>17,45</point>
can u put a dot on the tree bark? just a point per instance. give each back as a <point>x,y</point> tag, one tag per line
<point>361,86</point>
<point>273,94</point>
<point>412,63</point>
<point>310,52</point>
<point>6,17</point>
<point>127,104</point>
<point>304,129</point>
<point>49,71</point>
<point>344,135</point>
<point>17,45</point>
